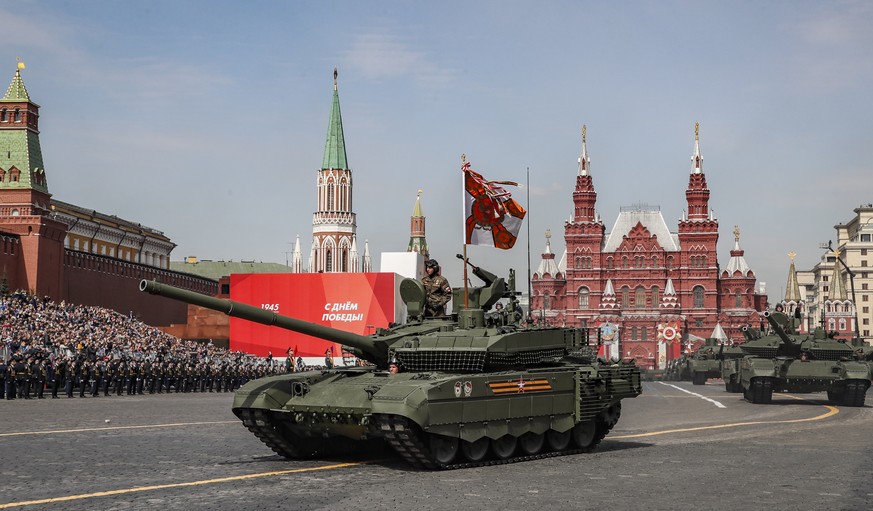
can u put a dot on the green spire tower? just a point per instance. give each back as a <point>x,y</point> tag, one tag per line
<point>21,166</point>
<point>417,241</point>
<point>334,248</point>
<point>335,146</point>
<point>25,202</point>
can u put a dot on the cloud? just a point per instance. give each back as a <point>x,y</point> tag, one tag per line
<point>828,48</point>
<point>379,55</point>
<point>39,33</point>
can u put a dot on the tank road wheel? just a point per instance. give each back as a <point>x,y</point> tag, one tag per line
<point>504,446</point>
<point>475,451</point>
<point>558,441</point>
<point>443,448</point>
<point>531,443</point>
<point>584,433</point>
<point>698,378</point>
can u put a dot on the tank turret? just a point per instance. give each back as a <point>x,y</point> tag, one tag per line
<point>778,323</point>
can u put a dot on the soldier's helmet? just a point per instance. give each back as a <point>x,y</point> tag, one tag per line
<point>432,263</point>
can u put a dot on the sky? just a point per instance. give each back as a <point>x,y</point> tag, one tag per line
<point>206,120</point>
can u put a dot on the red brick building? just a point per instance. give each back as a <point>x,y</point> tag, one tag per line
<point>654,292</point>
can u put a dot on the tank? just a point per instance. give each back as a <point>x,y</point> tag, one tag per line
<point>704,362</point>
<point>677,369</point>
<point>476,387</point>
<point>729,367</point>
<point>783,361</point>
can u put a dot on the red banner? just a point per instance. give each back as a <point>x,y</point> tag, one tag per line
<point>354,302</point>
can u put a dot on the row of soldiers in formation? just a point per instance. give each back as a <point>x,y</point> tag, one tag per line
<point>31,377</point>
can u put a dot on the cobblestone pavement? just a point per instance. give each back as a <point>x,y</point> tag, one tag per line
<point>670,450</point>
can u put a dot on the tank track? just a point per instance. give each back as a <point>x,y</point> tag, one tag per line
<point>407,438</point>
<point>854,393</point>
<point>270,431</point>
<point>403,435</point>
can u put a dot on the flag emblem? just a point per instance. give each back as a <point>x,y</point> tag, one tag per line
<point>491,216</point>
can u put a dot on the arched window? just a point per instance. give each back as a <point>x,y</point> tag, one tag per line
<point>698,297</point>
<point>578,262</point>
<point>624,261</point>
<point>739,300</point>
<point>609,263</point>
<point>842,323</point>
<point>344,263</point>
<point>17,115</point>
<point>583,297</point>
<point>4,116</point>
<point>328,260</point>
<point>669,262</point>
<point>832,324</point>
<point>656,296</point>
<point>547,301</point>
<point>654,261</point>
<point>640,298</point>
<point>625,297</point>
<point>644,333</point>
<point>330,195</point>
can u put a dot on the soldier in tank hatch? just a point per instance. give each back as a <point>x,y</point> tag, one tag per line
<point>439,292</point>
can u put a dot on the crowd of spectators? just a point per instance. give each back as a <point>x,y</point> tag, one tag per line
<point>61,348</point>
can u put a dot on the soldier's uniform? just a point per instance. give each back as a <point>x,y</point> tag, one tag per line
<point>108,376</point>
<point>131,372</point>
<point>148,376</point>
<point>57,376</point>
<point>69,377</point>
<point>2,378</point>
<point>40,375</point>
<point>10,379</point>
<point>84,377</point>
<point>22,379</point>
<point>140,377</point>
<point>439,292</point>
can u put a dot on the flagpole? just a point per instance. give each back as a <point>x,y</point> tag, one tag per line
<point>529,295</point>
<point>466,294</point>
<point>464,229</point>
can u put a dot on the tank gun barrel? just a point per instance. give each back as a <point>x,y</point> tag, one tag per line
<point>372,351</point>
<point>778,328</point>
<point>487,277</point>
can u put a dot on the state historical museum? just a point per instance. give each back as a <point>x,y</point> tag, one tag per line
<point>652,292</point>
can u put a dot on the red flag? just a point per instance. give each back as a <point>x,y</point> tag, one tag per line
<point>491,216</point>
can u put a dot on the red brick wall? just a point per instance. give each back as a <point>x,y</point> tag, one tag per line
<point>107,282</point>
<point>10,260</point>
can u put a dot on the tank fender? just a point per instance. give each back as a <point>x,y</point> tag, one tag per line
<point>855,370</point>
<point>408,401</point>
<point>265,393</point>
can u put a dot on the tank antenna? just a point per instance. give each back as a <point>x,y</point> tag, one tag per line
<point>529,292</point>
